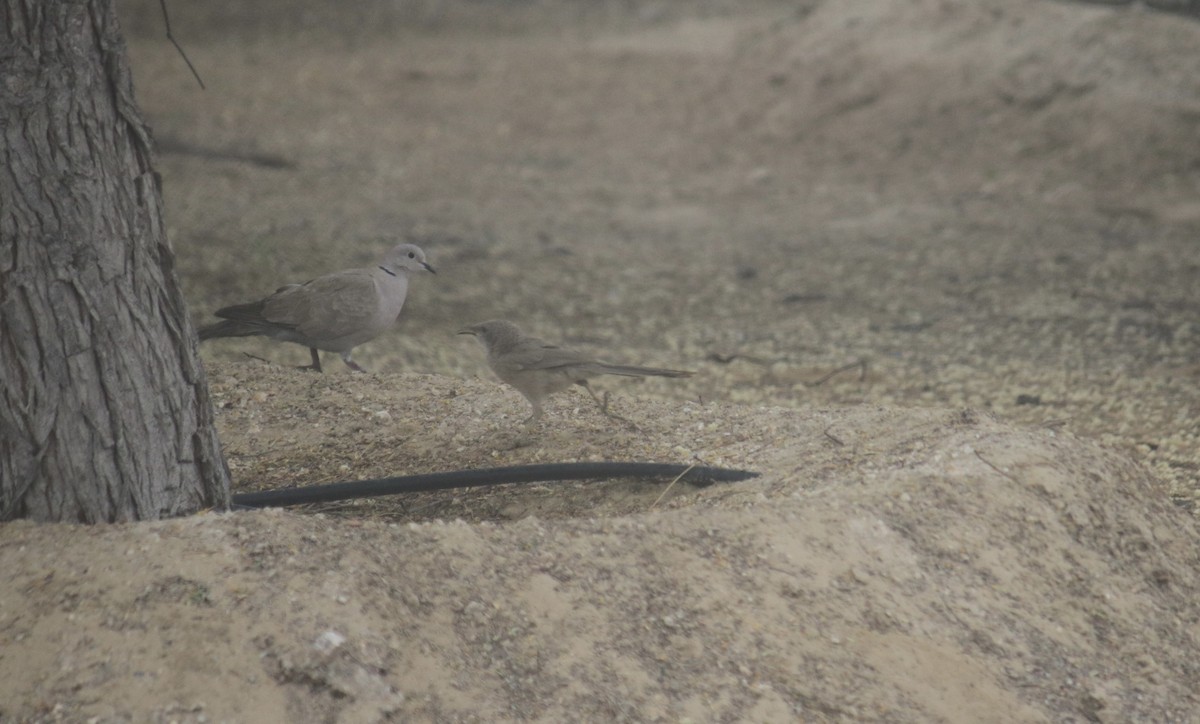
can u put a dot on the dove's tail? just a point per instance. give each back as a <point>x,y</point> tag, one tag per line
<point>230,328</point>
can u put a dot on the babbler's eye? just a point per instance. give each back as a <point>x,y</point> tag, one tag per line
<point>411,255</point>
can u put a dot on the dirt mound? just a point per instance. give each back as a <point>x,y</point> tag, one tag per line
<point>888,565</point>
<point>1011,99</point>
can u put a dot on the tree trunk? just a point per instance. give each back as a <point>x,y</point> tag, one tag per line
<point>104,412</point>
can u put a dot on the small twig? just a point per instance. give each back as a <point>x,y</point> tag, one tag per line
<point>167,24</point>
<point>992,465</point>
<point>836,441</point>
<point>727,358</point>
<point>256,357</point>
<point>167,144</point>
<point>862,375</point>
<point>668,488</point>
<point>751,453</point>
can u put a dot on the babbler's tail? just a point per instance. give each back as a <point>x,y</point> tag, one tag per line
<point>635,371</point>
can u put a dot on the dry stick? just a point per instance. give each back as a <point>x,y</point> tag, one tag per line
<point>668,488</point>
<point>315,366</point>
<point>862,375</point>
<point>992,465</point>
<point>167,24</point>
<point>168,144</point>
<point>260,359</point>
<point>727,358</point>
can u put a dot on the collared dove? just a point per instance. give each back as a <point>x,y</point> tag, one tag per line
<point>336,312</point>
<point>537,369</point>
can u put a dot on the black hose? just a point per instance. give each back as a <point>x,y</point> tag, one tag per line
<point>694,475</point>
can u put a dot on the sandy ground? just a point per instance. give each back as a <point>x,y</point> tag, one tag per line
<point>990,208</point>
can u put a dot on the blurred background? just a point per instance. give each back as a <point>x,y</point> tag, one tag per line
<point>991,204</point>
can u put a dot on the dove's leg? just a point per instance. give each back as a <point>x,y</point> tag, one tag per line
<point>351,363</point>
<point>316,361</point>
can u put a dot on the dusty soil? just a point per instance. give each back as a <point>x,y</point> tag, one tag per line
<point>990,208</point>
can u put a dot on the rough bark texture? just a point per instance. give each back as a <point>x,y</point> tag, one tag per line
<point>105,413</point>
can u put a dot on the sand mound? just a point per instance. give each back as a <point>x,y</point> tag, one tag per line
<point>888,565</point>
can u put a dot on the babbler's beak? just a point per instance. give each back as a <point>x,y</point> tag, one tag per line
<point>428,267</point>
<point>467,330</point>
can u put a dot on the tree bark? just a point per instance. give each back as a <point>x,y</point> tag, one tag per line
<point>104,411</point>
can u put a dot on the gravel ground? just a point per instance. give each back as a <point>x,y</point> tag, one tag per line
<point>990,205</point>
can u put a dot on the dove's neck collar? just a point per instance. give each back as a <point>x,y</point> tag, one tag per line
<point>387,271</point>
